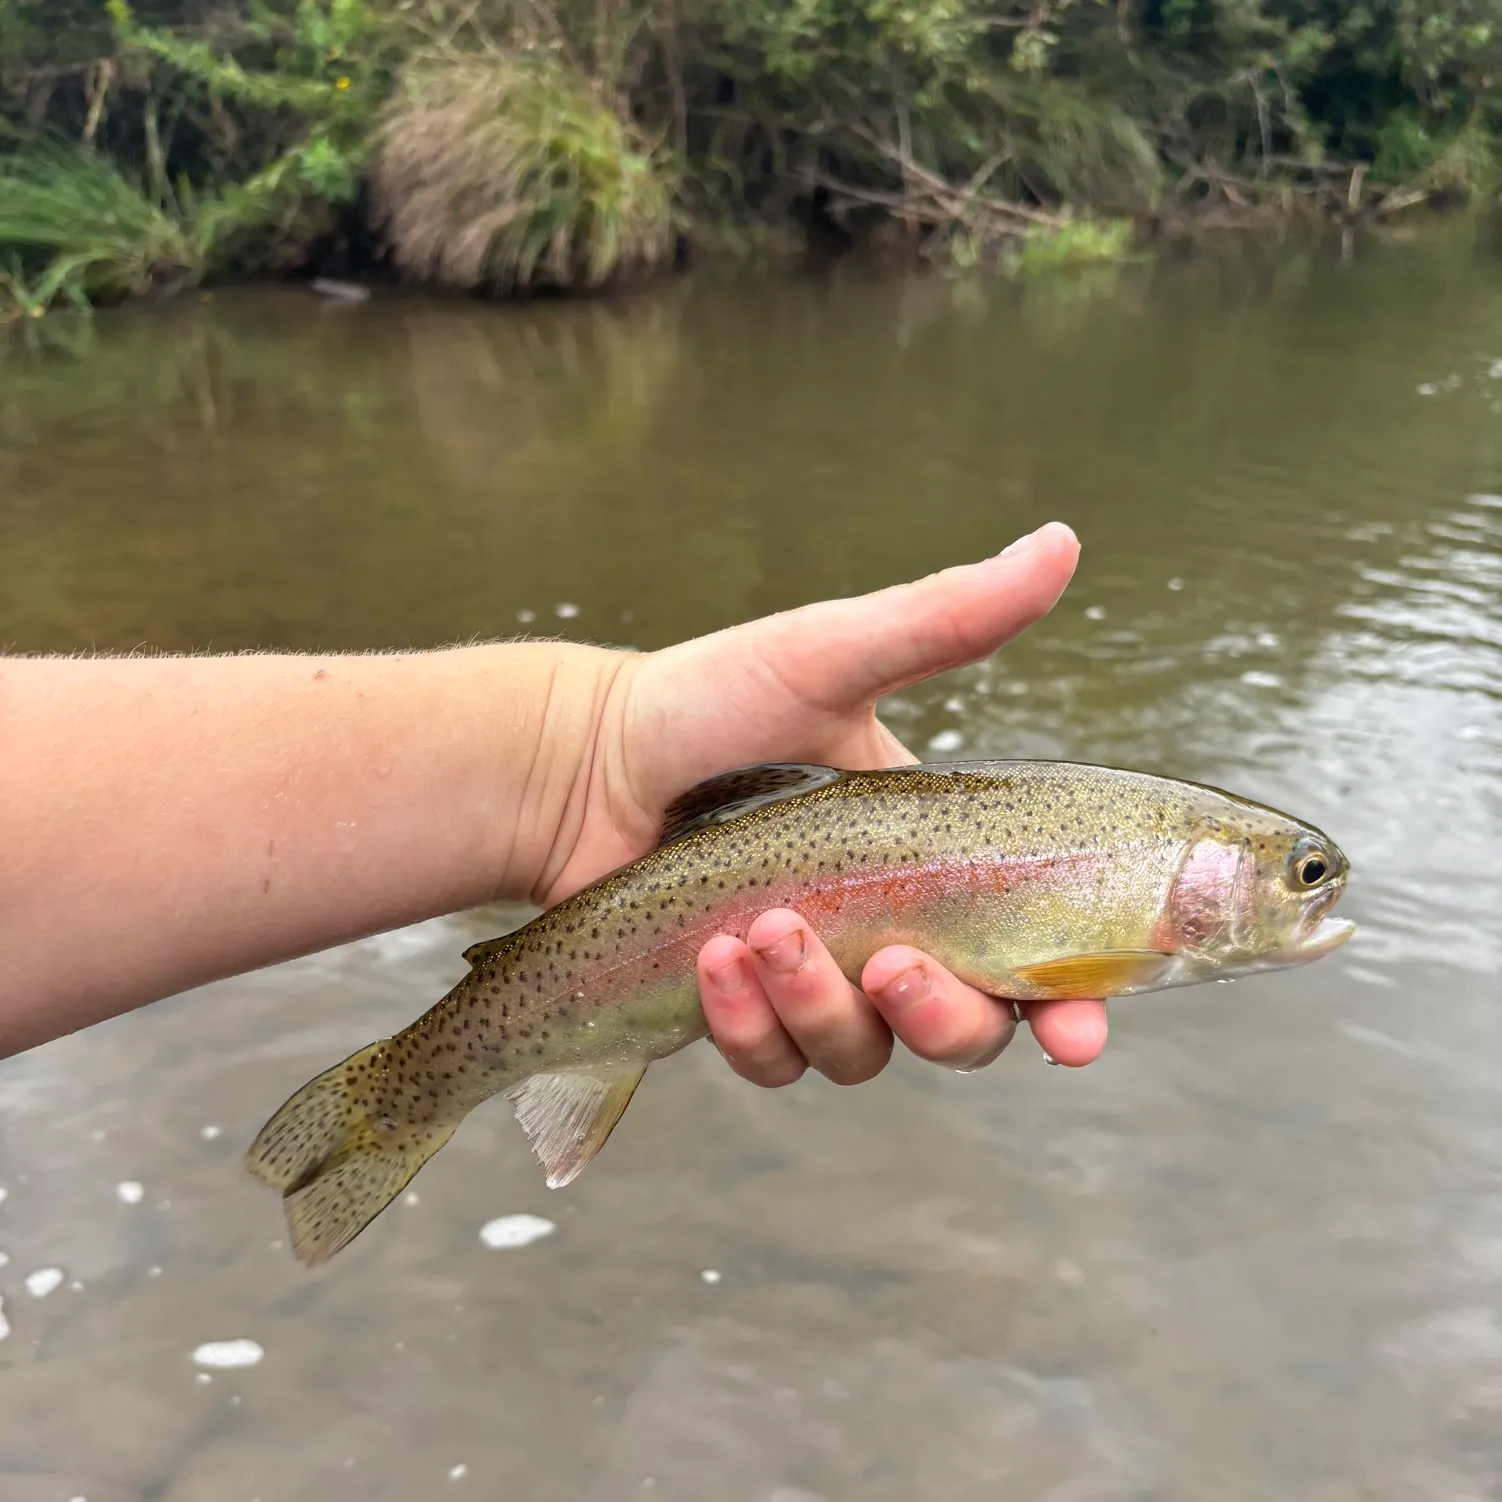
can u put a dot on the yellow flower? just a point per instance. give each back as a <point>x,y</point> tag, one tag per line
<point>343,83</point>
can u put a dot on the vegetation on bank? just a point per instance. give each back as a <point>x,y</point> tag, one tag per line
<point>512,145</point>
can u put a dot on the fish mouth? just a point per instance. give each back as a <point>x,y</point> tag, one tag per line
<point>1327,935</point>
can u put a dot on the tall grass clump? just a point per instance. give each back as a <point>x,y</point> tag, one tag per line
<point>506,171</point>
<point>76,221</point>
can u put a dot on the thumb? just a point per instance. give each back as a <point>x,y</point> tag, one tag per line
<point>840,655</point>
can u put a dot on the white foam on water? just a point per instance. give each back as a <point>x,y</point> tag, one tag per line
<point>1255,679</point>
<point>228,1353</point>
<point>526,617</point>
<point>711,1275</point>
<point>4,1323</point>
<point>1095,612</point>
<point>946,740</point>
<point>203,1378</point>
<point>153,1272</point>
<point>566,611</point>
<point>3,1192</point>
<point>43,1281</point>
<point>509,1231</point>
<point>4,1258</point>
<point>129,1192</point>
<point>458,1472</point>
<point>210,1132</point>
<point>410,1197</point>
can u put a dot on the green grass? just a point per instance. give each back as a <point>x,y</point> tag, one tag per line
<point>73,224</point>
<point>1081,242</point>
<point>506,171</point>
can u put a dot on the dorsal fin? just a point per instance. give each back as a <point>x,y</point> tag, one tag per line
<point>729,794</point>
<point>490,949</point>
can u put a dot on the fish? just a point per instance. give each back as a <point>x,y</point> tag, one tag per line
<point>1030,880</point>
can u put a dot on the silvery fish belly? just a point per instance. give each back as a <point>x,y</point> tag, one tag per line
<point>1029,880</point>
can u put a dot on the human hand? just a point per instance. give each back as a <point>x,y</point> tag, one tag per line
<point>802,686</point>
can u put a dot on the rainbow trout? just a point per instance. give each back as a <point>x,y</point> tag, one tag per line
<point>1029,880</point>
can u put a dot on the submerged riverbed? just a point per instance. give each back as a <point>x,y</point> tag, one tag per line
<point>1255,1252</point>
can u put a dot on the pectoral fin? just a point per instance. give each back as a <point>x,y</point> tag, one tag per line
<point>568,1116</point>
<point>1090,976</point>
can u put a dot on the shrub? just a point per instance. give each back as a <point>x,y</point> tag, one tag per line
<point>506,171</point>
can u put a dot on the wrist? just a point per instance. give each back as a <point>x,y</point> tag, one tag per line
<point>563,707</point>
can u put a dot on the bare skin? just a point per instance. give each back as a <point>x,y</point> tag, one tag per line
<point>171,821</point>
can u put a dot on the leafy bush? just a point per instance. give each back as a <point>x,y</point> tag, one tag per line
<point>1081,242</point>
<point>510,144</point>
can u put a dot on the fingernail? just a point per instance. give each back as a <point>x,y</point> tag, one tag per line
<point>1021,545</point>
<point>787,954</point>
<point>1049,1059</point>
<point>727,978</point>
<point>907,989</point>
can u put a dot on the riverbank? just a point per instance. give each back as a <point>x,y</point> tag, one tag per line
<point>507,150</point>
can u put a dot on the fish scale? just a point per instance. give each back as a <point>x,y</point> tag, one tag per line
<point>1029,880</point>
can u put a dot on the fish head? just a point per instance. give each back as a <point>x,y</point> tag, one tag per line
<point>1254,892</point>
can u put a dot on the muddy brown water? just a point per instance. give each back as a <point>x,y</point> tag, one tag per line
<point>1255,1252</point>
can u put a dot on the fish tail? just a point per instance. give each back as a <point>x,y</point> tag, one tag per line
<point>337,1166</point>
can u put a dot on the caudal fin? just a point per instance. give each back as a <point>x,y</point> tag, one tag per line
<point>337,1169</point>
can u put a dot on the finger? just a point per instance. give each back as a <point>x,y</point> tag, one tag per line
<point>800,686</point>
<point>744,1025</point>
<point>1069,1032</point>
<point>935,1014</point>
<point>835,1028</point>
<point>841,654</point>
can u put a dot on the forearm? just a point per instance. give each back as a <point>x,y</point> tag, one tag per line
<point>169,821</point>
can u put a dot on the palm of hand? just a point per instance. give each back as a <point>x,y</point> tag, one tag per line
<point>802,686</point>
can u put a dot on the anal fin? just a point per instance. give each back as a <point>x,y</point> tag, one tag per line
<point>1091,976</point>
<point>568,1116</point>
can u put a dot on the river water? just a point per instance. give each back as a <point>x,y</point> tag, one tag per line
<point>1254,1252</point>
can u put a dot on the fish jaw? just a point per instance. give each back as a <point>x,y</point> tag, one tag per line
<point>1192,968</point>
<point>1326,937</point>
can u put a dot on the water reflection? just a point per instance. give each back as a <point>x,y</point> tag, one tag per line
<point>1255,1252</point>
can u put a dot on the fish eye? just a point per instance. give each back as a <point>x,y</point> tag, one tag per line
<point>1311,867</point>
